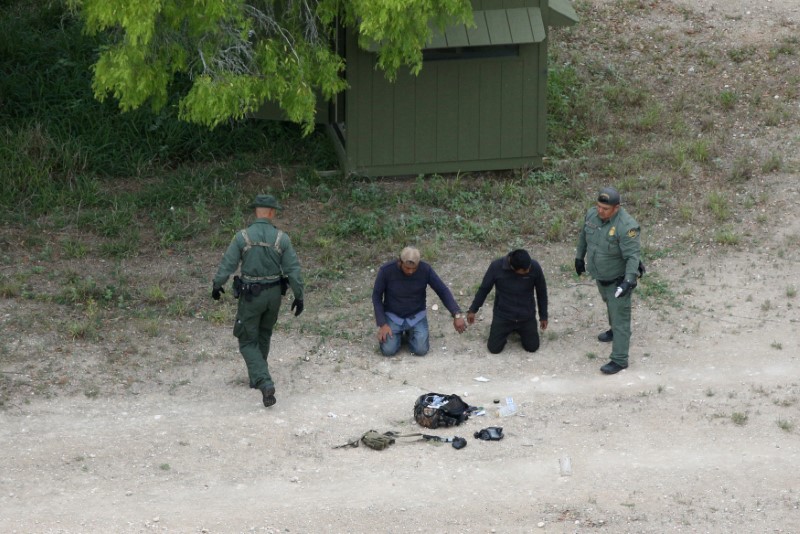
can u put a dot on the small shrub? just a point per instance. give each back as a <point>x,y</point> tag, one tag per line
<point>726,236</point>
<point>155,295</point>
<point>74,249</point>
<point>728,99</point>
<point>773,163</point>
<point>739,418</point>
<point>741,170</point>
<point>719,206</point>
<point>784,425</point>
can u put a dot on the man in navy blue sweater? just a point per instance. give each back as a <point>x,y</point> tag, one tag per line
<point>399,299</point>
<point>516,278</point>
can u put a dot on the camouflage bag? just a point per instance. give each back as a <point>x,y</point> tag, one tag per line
<point>377,441</point>
<point>433,410</point>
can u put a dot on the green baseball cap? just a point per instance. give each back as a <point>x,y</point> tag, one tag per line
<point>608,195</point>
<point>265,201</point>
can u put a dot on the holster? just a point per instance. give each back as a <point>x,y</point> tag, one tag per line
<point>237,287</point>
<point>284,285</point>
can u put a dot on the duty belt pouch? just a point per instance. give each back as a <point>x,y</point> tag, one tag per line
<point>255,289</point>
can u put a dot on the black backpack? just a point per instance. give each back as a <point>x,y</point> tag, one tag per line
<point>433,410</point>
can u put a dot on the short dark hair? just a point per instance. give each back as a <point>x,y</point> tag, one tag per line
<point>519,259</point>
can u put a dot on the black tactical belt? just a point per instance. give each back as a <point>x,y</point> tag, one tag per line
<point>609,282</point>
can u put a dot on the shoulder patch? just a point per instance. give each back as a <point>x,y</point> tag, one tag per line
<point>633,232</point>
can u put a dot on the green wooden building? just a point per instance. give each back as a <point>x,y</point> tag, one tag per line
<point>477,104</point>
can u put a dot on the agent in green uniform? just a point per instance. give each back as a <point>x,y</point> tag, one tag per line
<point>609,240</point>
<point>268,263</point>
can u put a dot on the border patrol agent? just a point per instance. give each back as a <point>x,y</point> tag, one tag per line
<point>269,265</point>
<point>610,238</point>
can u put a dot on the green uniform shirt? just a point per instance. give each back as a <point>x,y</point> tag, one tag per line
<point>612,248</point>
<point>263,261</point>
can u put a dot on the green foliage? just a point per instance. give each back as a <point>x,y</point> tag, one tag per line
<point>225,59</point>
<point>58,144</point>
<point>567,110</point>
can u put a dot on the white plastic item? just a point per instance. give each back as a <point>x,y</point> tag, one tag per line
<point>565,466</point>
<point>509,409</point>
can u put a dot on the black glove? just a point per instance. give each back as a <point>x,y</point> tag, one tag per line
<point>215,292</point>
<point>624,288</point>
<point>459,443</point>
<point>297,307</point>
<point>642,270</point>
<point>580,266</point>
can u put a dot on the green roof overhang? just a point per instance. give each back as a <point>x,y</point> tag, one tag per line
<point>561,13</point>
<point>494,27</point>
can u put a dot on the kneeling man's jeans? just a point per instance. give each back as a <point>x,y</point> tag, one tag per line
<point>417,337</point>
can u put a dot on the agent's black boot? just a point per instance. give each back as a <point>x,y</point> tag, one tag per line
<point>268,393</point>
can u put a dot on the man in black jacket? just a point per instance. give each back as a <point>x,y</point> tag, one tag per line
<point>516,278</point>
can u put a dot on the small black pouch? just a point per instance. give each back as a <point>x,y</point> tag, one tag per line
<point>492,433</point>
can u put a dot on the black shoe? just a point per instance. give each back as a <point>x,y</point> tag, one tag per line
<point>613,367</point>
<point>269,395</point>
<point>606,336</point>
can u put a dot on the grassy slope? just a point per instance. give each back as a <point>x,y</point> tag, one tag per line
<point>97,200</point>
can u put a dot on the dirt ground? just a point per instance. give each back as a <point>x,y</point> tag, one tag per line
<point>699,434</point>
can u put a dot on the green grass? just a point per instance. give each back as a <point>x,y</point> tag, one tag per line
<point>741,54</point>
<point>773,163</point>
<point>727,236</point>
<point>728,99</point>
<point>719,206</point>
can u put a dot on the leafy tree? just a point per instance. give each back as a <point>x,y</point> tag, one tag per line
<point>225,58</point>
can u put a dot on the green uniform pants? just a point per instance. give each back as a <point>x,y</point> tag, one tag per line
<point>253,327</point>
<point>619,317</point>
